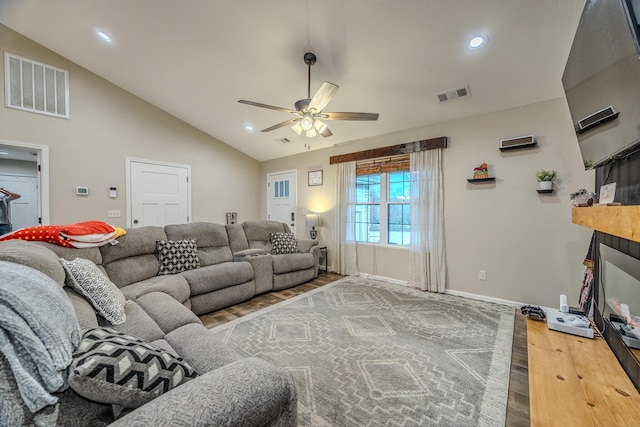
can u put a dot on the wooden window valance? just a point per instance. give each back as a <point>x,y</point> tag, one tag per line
<point>393,150</point>
<point>388,164</point>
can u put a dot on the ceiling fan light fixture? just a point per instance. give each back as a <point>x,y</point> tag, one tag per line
<point>307,122</point>
<point>319,126</point>
<point>297,128</point>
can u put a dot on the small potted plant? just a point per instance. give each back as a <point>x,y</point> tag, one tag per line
<point>546,178</point>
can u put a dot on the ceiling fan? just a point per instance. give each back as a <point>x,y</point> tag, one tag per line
<point>309,111</point>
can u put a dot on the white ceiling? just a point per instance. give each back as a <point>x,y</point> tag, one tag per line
<point>196,58</point>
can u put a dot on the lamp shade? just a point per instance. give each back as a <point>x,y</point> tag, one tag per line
<point>311,220</point>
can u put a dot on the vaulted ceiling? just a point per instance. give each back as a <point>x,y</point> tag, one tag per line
<point>196,58</point>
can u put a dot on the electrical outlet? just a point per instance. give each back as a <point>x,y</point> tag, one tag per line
<point>114,213</point>
<point>482,275</point>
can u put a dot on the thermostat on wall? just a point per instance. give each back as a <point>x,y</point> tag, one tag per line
<point>82,191</point>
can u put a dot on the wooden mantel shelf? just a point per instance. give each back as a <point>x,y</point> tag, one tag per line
<point>621,221</point>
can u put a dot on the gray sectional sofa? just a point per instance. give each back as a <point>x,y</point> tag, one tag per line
<point>235,263</point>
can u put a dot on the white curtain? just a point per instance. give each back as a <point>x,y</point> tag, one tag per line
<point>427,247</point>
<point>345,230</point>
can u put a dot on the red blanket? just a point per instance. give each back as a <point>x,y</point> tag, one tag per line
<point>80,235</point>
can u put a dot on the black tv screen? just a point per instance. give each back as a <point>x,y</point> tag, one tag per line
<point>602,80</point>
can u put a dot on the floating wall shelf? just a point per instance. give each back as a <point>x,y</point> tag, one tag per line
<point>545,191</point>
<point>477,180</point>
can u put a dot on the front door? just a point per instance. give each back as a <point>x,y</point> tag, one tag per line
<point>281,199</point>
<point>159,193</point>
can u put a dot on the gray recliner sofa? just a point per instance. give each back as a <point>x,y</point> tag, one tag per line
<point>236,263</point>
<point>230,390</point>
<point>287,270</point>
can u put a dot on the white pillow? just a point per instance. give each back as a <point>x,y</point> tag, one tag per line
<point>86,278</point>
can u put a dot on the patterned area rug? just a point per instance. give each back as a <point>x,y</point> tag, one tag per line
<point>371,353</point>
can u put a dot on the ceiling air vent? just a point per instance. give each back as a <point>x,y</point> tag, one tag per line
<point>283,140</point>
<point>453,94</point>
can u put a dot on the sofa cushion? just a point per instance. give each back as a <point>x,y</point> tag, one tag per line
<point>283,243</point>
<point>292,262</point>
<point>83,309</point>
<point>261,230</point>
<point>126,271</point>
<point>175,286</point>
<point>121,369</point>
<point>92,254</point>
<point>212,240</point>
<point>218,276</point>
<point>134,258</point>
<point>223,298</point>
<point>138,323</point>
<point>33,255</point>
<point>204,350</point>
<point>168,313</point>
<point>237,238</point>
<point>177,256</point>
<point>137,241</point>
<point>85,278</point>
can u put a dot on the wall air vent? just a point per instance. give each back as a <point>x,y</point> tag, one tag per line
<point>283,140</point>
<point>36,87</point>
<point>453,94</point>
<point>518,142</point>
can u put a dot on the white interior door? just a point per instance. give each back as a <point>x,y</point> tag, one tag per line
<point>24,211</point>
<point>159,193</point>
<point>281,199</point>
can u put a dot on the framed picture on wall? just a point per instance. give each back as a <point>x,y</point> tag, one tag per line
<point>315,178</point>
<point>607,193</point>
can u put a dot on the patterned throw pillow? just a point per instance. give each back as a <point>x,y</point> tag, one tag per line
<point>177,256</point>
<point>86,278</point>
<point>116,368</point>
<point>283,243</point>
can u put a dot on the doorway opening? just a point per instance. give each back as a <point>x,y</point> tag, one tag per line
<point>24,169</point>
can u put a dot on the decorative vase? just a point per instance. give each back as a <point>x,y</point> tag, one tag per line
<point>546,185</point>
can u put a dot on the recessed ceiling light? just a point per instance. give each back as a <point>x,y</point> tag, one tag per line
<point>477,42</point>
<point>248,128</point>
<point>103,36</point>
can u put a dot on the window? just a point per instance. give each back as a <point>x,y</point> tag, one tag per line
<point>382,202</point>
<point>398,224</point>
<point>281,189</point>
<point>36,87</point>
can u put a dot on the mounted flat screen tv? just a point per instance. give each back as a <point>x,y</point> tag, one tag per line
<point>602,80</point>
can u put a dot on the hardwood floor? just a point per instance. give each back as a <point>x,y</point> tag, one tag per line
<point>518,401</point>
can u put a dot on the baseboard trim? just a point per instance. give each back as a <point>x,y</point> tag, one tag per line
<point>448,291</point>
<point>484,298</point>
<point>384,279</point>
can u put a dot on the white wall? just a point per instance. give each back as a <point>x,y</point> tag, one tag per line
<point>525,241</point>
<point>108,124</point>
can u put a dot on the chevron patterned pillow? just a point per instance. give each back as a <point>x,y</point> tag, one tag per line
<point>283,243</point>
<point>119,369</point>
<point>177,256</point>
<point>83,276</point>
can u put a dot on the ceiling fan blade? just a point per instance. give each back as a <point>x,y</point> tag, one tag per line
<point>349,116</point>
<point>281,124</point>
<point>271,107</point>
<point>323,96</point>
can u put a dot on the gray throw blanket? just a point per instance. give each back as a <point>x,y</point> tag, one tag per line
<point>38,332</point>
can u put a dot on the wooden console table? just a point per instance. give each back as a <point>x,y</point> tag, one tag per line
<point>576,381</point>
